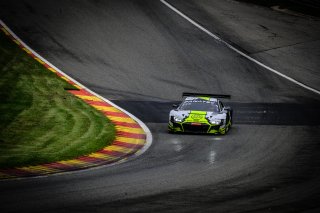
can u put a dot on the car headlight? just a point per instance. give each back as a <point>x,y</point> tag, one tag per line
<point>176,119</point>
<point>216,122</point>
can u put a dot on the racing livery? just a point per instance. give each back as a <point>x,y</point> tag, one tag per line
<point>200,113</point>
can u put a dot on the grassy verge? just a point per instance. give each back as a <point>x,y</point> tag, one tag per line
<point>40,122</point>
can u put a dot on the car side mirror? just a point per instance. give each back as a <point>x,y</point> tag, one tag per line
<point>227,108</point>
<point>174,105</point>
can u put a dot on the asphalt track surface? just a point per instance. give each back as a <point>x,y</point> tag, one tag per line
<point>143,56</point>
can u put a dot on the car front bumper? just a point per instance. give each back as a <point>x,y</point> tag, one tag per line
<point>196,128</point>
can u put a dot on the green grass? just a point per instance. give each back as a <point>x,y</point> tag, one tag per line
<point>40,121</point>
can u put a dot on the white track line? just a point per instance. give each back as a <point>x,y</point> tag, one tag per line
<point>144,126</point>
<point>236,50</point>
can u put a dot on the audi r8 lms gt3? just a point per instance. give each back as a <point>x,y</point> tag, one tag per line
<point>201,113</point>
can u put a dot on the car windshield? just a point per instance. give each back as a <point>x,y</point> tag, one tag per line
<point>199,105</point>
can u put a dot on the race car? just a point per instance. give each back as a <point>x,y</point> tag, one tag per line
<point>200,113</point>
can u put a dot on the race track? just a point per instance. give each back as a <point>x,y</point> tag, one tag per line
<point>142,55</point>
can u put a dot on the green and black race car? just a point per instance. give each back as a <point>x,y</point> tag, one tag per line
<point>201,113</point>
